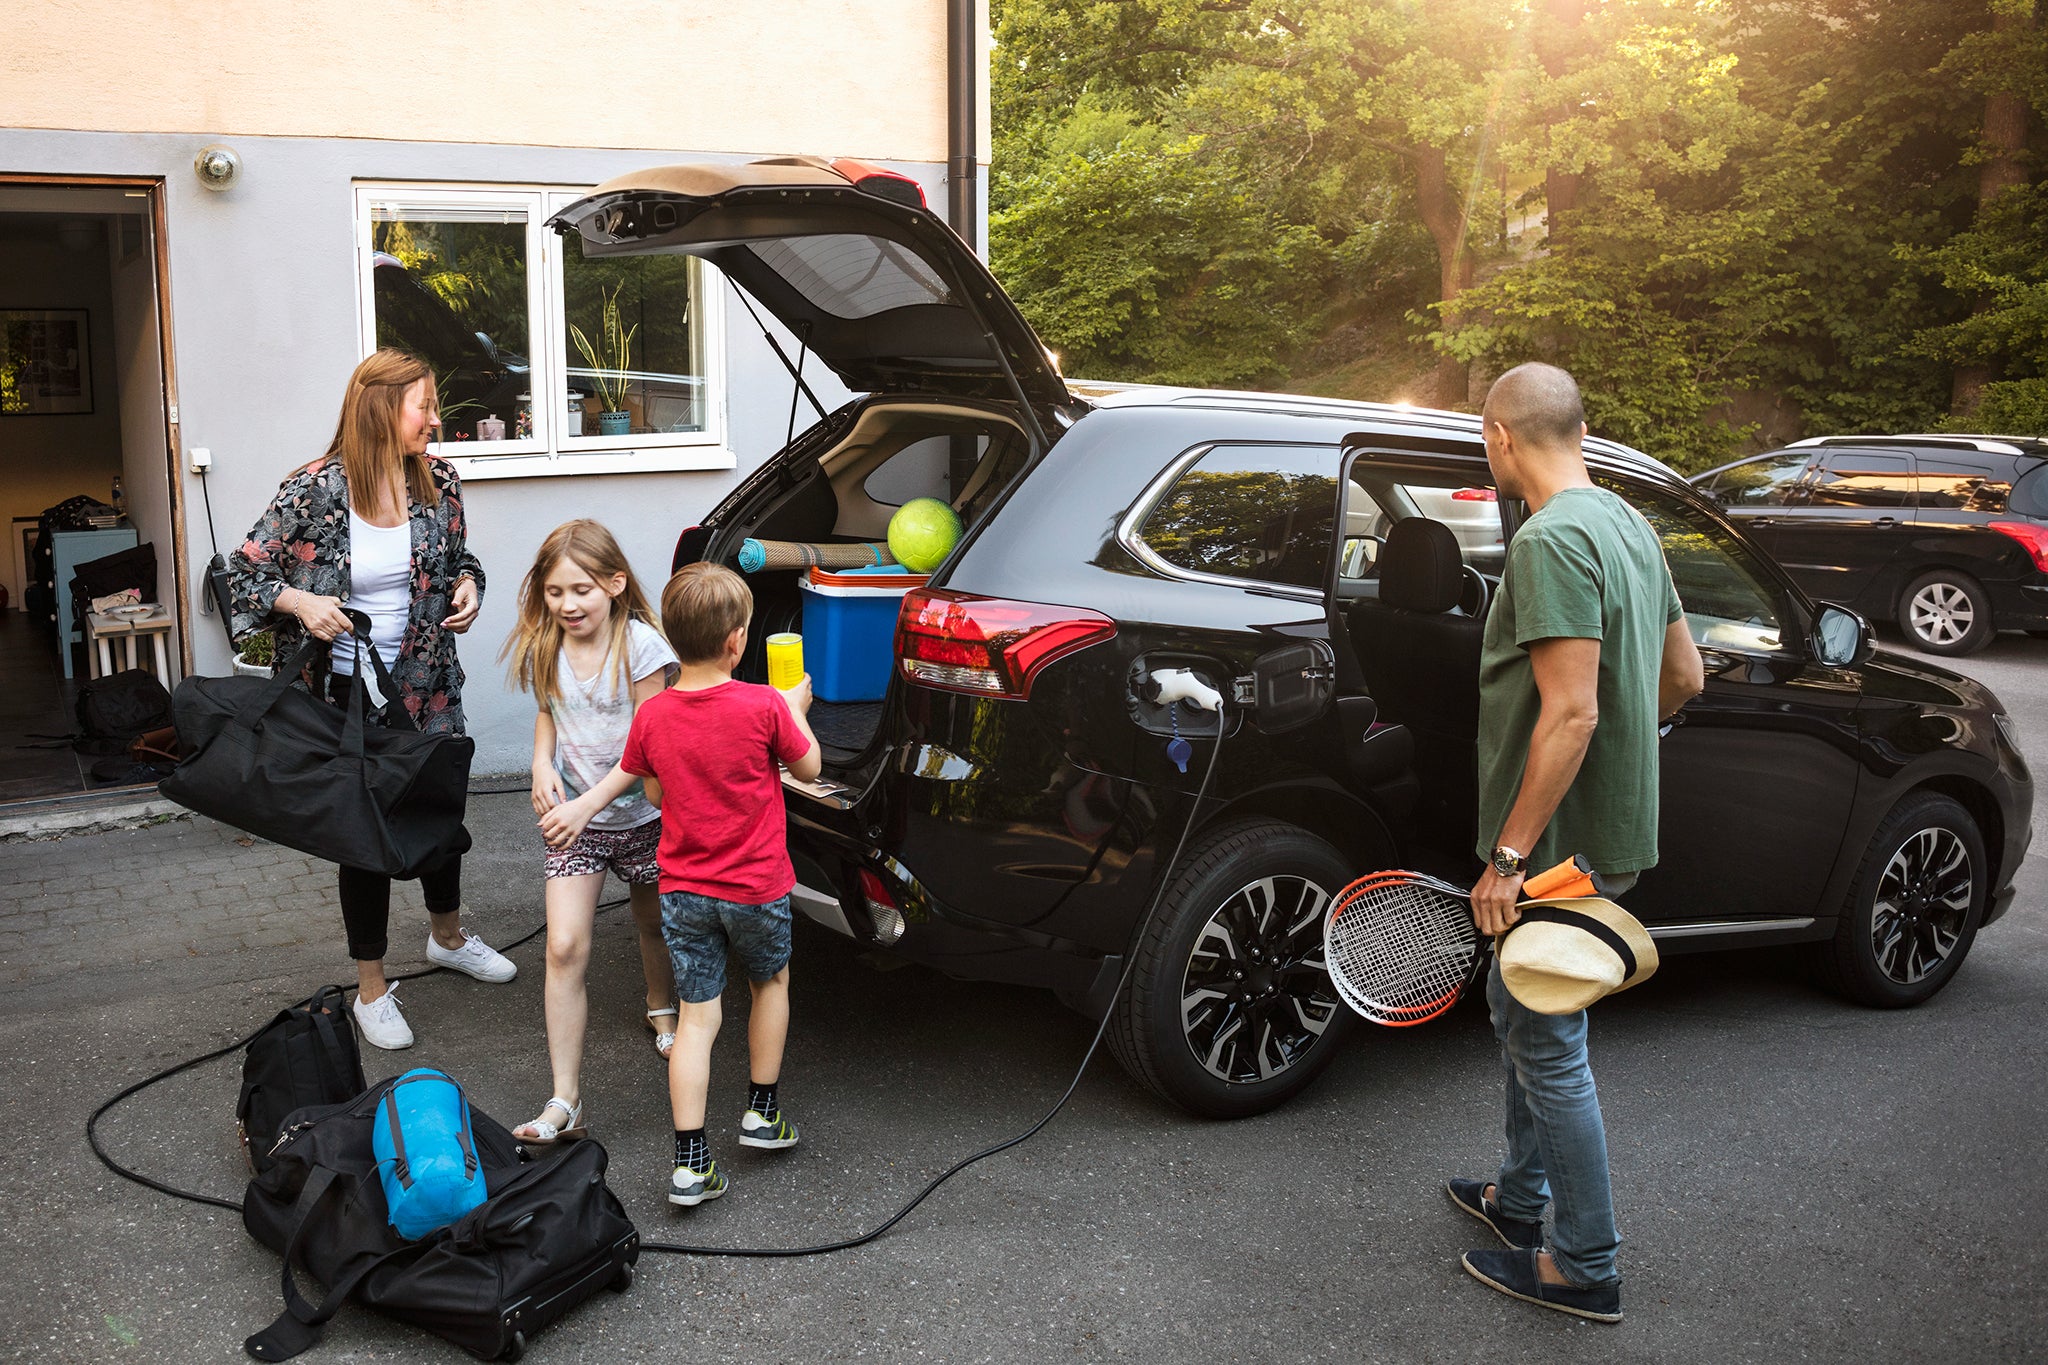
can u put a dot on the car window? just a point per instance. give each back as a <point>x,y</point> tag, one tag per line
<point>1768,481</point>
<point>1729,602</point>
<point>1264,513</point>
<point>1966,485</point>
<point>2030,491</point>
<point>1864,478</point>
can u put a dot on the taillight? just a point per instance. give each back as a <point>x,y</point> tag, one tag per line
<point>1473,495</point>
<point>988,646</point>
<point>2035,538</point>
<point>869,178</point>
<point>881,906</point>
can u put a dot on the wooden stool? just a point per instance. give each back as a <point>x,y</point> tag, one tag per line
<point>101,629</point>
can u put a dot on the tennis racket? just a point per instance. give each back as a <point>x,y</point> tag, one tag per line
<point>1401,947</point>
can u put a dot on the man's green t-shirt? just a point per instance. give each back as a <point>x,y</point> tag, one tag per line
<point>1588,567</point>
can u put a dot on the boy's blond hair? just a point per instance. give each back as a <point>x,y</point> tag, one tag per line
<point>701,607</point>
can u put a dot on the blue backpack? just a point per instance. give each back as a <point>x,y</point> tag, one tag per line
<point>426,1153</point>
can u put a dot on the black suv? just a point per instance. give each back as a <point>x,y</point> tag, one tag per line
<point>1003,812</point>
<point>1946,535</point>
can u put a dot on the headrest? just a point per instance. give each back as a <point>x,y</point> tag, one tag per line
<point>1420,569</point>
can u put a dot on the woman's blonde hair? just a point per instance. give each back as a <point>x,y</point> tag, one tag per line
<point>535,645</point>
<point>366,437</point>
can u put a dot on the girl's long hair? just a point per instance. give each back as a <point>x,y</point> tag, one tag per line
<point>535,645</point>
<point>366,438</point>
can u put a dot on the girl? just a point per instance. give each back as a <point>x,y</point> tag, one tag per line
<point>587,648</point>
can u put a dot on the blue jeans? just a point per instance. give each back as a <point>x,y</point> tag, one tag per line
<point>1557,1143</point>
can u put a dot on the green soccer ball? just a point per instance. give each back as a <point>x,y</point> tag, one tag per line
<point>922,533</point>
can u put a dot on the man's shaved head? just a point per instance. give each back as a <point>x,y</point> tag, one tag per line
<point>1540,404</point>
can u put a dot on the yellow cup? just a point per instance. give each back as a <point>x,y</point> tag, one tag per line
<point>785,660</point>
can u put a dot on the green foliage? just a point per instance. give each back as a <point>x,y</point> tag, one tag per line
<point>1774,202</point>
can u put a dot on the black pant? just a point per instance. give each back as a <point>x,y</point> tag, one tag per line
<point>366,896</point>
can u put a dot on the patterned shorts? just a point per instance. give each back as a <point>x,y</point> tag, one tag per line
<point>701,930</point>
<point>627,852</point>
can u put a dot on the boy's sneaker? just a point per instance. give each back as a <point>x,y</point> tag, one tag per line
<point>382,1025</point>
<point>474,958</point>
<point>691,1188</point>
<point>756,1131</point>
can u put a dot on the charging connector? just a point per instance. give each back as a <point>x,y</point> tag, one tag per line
<point>1181,684</point>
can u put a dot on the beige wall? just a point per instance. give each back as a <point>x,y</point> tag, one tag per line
<point>835,77</point>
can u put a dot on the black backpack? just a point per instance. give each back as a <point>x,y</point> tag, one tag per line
<point>304,1057</point>
<point>549,1235</point>
<point>115,710</point>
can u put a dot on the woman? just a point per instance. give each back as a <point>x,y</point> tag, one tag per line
<point>376,523</point>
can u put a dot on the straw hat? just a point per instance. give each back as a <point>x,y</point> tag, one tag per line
<point>1562,955</point>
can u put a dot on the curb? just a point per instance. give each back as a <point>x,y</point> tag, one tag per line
<point>89,815</point>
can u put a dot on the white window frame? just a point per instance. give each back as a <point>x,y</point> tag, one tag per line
<point>551,450</point>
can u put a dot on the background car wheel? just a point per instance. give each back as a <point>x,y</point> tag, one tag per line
<point>1946,612</point>
<point>1229,1011</point>
<point>1914,910</point>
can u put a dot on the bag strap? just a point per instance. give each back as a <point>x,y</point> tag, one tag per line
<point>299,1326</point>
<point>279,681</point>
<point>393,710</point>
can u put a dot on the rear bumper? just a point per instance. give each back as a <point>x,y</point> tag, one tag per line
<point>2022,605</point>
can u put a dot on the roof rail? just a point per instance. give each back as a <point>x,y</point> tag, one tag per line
<point>1992,444</point>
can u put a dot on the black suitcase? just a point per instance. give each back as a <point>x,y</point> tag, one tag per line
<point>550,1235</point>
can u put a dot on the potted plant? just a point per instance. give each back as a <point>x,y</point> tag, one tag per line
<point>609,362</point>
<point>257,657</point>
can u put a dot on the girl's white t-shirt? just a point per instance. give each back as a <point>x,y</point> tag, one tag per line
<point>380,584</point>
<point>592,717</point>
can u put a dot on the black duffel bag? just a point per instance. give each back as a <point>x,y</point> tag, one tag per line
<point>549,1235</point>
<point>272,760</point>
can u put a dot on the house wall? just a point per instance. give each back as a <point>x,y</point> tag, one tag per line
<point>845,77</point>
<point>45,458</point>
<point>263,292</point>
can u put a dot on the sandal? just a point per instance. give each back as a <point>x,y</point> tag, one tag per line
<point>664,1038</point>
<point>541,1133</point>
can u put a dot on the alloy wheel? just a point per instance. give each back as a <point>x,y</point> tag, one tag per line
<point>1923,902</point>
<point>1941,613</point>
<point>1256,996</point>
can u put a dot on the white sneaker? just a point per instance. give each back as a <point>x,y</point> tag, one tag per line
<point>382,1025</point>
<point>475,958</point>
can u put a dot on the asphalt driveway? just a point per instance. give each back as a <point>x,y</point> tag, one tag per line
<point>1798,1179</point>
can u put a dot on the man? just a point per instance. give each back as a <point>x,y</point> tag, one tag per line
<point>1585,649</point>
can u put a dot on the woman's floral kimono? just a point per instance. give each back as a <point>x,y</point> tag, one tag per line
<point>301,541</point>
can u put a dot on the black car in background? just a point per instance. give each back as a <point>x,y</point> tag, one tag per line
<point>1946,535</point>
<point>1004,810</point>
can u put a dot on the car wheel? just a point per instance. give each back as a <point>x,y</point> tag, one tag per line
<point>1945,612</point>
<point>1914,910</point>
<point>1229,1010</point>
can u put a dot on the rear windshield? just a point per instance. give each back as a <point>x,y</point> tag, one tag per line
<point>2030,491</point>
<point>851,275</point>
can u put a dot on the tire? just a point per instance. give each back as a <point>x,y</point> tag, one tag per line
<point>1946,612</point>
<point>1914,910</point>
<point>1240,934</point>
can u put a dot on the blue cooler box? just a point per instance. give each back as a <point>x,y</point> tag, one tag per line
<point>850,629</point>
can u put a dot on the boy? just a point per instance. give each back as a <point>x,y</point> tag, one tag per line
<point>710,746</point>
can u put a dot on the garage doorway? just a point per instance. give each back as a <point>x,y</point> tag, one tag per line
<point>87,446</point>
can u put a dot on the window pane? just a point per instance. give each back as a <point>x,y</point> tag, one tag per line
<point>852,276</point>
<point>648,364</point>
<point>450,286</point>
<point>1971,487</point>
<point>1261,514</point>
<point>1759,483</point>
<point>1858,478</point>
<point>1728,605</point>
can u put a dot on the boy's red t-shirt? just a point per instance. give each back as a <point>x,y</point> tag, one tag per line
<point>714,752</point>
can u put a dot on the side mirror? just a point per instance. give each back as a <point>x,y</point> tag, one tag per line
<point>1292,686</point>
<point>1841,637</point>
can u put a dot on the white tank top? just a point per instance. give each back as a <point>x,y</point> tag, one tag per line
<point>380,578</point>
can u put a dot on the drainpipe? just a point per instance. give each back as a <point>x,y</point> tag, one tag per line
<point>963,97</point>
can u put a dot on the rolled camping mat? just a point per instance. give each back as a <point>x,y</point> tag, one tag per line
<point>759,555</point>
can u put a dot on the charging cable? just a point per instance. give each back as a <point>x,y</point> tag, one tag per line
<point>1094,1044</point>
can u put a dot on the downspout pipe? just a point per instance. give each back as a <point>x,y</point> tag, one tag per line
<point>963,100</point>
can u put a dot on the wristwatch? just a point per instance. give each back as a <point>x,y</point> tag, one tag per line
<point>1509,863</point>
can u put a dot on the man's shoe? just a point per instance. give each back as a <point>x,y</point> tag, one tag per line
<point>474,958</point>
<point>691,1188</point>
<point>1514,1274</point>
<point>381,1023</point>
<point>1516,1235</point>
<point>756,1131</point>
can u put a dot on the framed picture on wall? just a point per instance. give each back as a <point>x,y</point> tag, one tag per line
<point>45,362</point>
